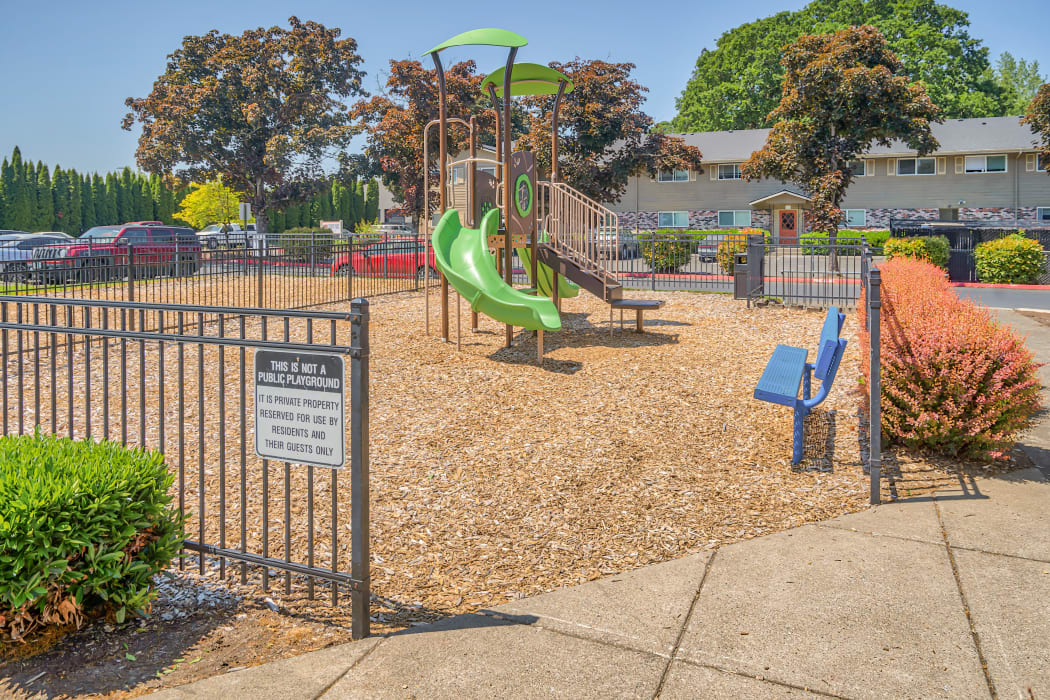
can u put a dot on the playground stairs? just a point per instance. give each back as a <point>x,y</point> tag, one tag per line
<point>599,282</point>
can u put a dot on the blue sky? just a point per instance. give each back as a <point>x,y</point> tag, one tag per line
<point>68,66</point>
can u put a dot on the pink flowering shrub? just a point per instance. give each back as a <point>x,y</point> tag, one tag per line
<point>953,379</point>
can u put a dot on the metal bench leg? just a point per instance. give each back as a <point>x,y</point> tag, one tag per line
<point>806,384</point>
<point>798,435</point>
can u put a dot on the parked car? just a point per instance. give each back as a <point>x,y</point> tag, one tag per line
<point>16,252</point>
<point>54,234</point>
<point>101,253</point>
<point>625,243</point>
<point>226,235</point>
<point>397,257</point>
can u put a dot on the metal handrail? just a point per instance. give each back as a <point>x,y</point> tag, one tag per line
<point>580,229</point>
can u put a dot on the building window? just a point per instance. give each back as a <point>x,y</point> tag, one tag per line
<point>916,166</point>
<point>458,175</point>
<point>673,176</point>
<point>1042,213</point>
<point>856,168</point>
<point>729,171</point>
<point>985,164</point>
<point>490,169</point>
<point>856,218</point>
<point>736,217</point>
<point>1040,163</point>
<point>673,219</point>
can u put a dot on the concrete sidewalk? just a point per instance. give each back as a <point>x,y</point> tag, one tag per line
<point>939,597</point>
<point>913,600</point>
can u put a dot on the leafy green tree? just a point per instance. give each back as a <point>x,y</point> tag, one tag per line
<point>1019,81</point>
<point>736,85</point>
<point>1037,117</point>
<point>371,212</point>
<point>21,211</point>
<point>359,200</point>
<point>842,93</point>
<point>606,137</point>
<point>144,198</point>
<point>210,203</point>
<point>273,96</point>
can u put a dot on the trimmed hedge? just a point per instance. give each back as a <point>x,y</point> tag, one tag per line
<point>84,527</point>
<point>727,251</point>
<point>817,243</point>
<point>954,381</point>
<point>665,251</point>
<point>932,249</point>
<point>875,239</point>
<point>1010,260</point>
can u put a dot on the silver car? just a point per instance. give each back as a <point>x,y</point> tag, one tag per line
<point>16,250</point>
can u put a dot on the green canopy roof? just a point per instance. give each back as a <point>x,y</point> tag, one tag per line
<point>483,37</point>
<point>528,79</point>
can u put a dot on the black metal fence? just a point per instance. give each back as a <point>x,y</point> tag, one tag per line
<point>871,281</point>
<point>178,378</point>
<point>808,273</point>
<point>282,271</point>
<point>964,237</point>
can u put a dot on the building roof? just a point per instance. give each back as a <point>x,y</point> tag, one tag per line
<point>980,135</point>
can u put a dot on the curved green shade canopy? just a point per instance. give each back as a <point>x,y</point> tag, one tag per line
<point>528,79</point>
<point>484,37</point>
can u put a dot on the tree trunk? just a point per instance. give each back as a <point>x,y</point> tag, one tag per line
<point>262,221</point>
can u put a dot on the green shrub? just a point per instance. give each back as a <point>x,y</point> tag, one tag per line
<point>817,243</point>
<point>876,239</point>
<point>305,245</point>
<point>1010,260</point>
<point>932,249</point>
<point>727,251</point>
<point>666,252</point>
<point>84,527</point>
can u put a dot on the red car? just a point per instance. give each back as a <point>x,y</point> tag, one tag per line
<point>101,253</point>
<point>397,257</point>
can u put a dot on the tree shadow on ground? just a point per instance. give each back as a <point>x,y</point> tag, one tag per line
<point>818,448</point>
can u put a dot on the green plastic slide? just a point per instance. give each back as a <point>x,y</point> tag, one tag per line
<point>545,284</point>
<point>462,255</point>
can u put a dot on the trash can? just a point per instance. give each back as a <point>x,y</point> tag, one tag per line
<point>740,290</point>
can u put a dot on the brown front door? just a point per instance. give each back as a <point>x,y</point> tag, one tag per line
<point>788,227</point>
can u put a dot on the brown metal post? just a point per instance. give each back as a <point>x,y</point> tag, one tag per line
<point>508,186</point>
<point>442,158</point>
<point>554,132</point>
<point>499,152</point>
<point>471,182</point>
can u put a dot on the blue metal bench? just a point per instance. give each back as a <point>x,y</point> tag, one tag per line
<point>787,369</point>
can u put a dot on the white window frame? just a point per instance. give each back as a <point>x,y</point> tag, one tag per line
<point>490,169</point>
<point>736,171</point>
<point>1040,212</point>
<point>733,215</point>
<point>675,176</point>
<point>916,173</point>
<point>674,217</point>
<point>864,167</point>
<point>984,168</point>
<point>863,216</point>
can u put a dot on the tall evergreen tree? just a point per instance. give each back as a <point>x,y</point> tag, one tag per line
<point>372,201</point>
<point>359,200</point>
<point>60,200</point>
<point>44,220</point>
<point>111,211</point>
<point>87,203</point>
<point>5,179</point>
<point>355,211</point>
<point>98,199</point>
<point>20,212</point>
<point>74,217</point>
<point>125,196</point>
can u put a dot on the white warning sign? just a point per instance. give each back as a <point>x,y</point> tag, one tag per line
<point>299,407</point>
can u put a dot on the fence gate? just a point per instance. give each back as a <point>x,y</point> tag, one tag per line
<point>249,406</point>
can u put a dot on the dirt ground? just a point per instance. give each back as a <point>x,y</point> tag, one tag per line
<point>495,478</point>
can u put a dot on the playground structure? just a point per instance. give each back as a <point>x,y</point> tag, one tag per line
<point>564,239</point>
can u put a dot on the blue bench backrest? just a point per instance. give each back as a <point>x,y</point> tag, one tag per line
<point>829,336</point>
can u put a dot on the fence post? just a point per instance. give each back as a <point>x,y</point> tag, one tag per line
<point>360,594</point>
<point>652,259</point>
<point>875,388</point>
<point>259,281</point>
<point>131,279</point>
